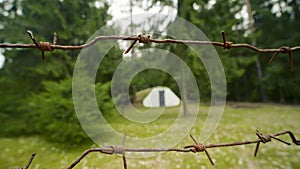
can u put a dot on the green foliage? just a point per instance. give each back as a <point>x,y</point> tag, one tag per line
<point>279,28</point>
<point>109,64</point>
<point>220,19</point>
<point>104,99</point>
<point>237,124</point>
<point>38,93</point>
<point>51,113</point>
<point>274,28</point>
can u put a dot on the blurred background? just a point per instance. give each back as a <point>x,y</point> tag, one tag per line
<point>36,106</point>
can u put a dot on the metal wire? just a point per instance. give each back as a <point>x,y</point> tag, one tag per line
<point>194,148</point>
<point>29,162</point>
<point>46,46</point>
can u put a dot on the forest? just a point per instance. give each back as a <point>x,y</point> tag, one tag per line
<point>36,94</point>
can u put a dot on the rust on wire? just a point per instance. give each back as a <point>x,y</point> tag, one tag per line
<point>46,46</point>
<point>43,46</point>
<point>195,148</point>
<point>226,44</point>
<point>141,39</point>
<point>198,147</point>
<point>284,49</point>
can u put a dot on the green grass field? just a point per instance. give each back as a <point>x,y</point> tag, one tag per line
<point>239,123</point>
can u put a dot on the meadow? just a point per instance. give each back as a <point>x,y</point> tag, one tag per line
<point>239,123</point>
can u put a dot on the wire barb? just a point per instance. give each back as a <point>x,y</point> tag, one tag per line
<point>273,57</point>
<point>284,49</point>
<point>29,162</point>
<point>42,46</point>
<point>141,38</point>
<point>264,138</point>
<point>198,147</point>
<point>130,47</point>
<point>123,154</point>
<point>120,149</point>
<point>33,38</point>
<point>226,44</point>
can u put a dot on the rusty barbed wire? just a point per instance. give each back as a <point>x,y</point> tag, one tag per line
<point>29,162</point>
<point>46,46</point>
<point>194,148</point>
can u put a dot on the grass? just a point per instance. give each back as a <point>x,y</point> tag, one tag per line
<point>238,123</point>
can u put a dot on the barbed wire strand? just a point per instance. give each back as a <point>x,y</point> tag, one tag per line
<point>194,148</point>
<point>29,162</point>
<point>46,46</point>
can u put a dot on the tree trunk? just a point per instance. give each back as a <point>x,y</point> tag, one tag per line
<point>184,91</point>
<point>261,85</point>
<point>257,62</point>
<point>183,82</point>
<point>246,87</point>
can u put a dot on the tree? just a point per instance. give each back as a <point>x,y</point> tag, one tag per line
<point>26,80</point>
<point>258,65</point>
<point>277,22</point>
<point>198,13</point>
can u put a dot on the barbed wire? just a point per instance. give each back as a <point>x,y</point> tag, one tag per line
<point>29,162</point>
<point>46,46</point>
<point>194,148</point>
